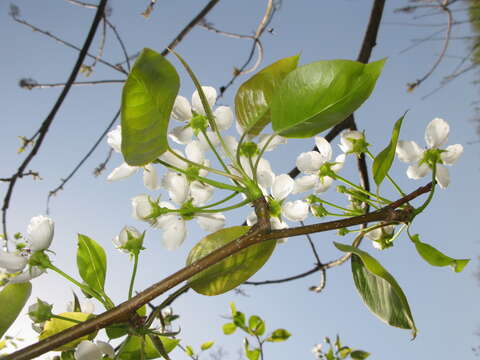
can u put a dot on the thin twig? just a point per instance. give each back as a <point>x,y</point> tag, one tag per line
<point>83,4</point>
<point>29,84</point>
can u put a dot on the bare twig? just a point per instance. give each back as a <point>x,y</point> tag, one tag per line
<point>42,131</point>
<point>29,84</point>
<point>83,4</point>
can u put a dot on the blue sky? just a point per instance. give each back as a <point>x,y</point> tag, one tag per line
<point>443,303</point>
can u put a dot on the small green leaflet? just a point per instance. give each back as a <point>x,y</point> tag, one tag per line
<point>147,101</point>
<point>437,258</point>
<point>383,161</point>
<point>91,262</point>
<point>279,335</point>
<point>232,271</point>
<point>131,349</point>
<point>317,96</point>
<point>379,290</point>
<point>254,96</point>
<point>12,299</point>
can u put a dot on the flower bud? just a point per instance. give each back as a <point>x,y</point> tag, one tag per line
<point>40,312</point>
<point>129,240</point>
<point>40,233</point>
<point>353,141</point>
<point>142,207</point>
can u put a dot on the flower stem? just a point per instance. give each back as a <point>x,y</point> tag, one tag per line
<point>430,195</point>
<point>395,185</point>
<point>217,155</point>
<point>66,319</point>
<point>240,204</point>
<point>359,188</point>
<point>231,196</point>
<point>134,273</point>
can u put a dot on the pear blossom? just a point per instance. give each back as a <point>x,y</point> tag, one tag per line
<point>114,139</point>
<point>12,262</point>
<point>88,350</point>
<point>27,274</point>
<point>40,233</point>
<point>312,164</point>
<point>120,241</point>
<point>436,135</point>
<point>381,237</point>
<point>352,141</point>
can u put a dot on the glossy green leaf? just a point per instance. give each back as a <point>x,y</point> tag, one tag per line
<point>359,355</point>
<point>343,352</point>
<point>206,345</point>
<point>189,350</point>
<point>279,335</point>
<point>437,258</point>
<point>253,354</point>
<point>91,262</point>
<point>383,161</point>
<point>254,96</point>
<point>117,330</point>
<point>379,290</point>
<point>256,325</point>
<point>229,328</point>
<point>12,299</point>
<point>147,101</point>
<point>317,96</point>
<point>232,271</point>
<point>131,349</point>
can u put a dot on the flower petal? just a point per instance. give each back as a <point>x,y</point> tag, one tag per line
<point>174,234</point>
<point>323,184</point>
<point>304,183</point>
<point>141,207</point>
<point>106,348</point>
<point>265,178</point>
<point>310,162</point>
<point>181,109</point>
<point>295,210</point>
<point>436,133</point>
<point>279,225</point>
<point>442,176</point>
<point>213,137</point>
<point>87,350</point>
<point>231,143</point>
<point>150,179</point>
<point>346,143</point>
<point>277,140</point>
<point>12,262</point>
<point>181,134</point>
<point>114,139</point>
<point>171,159</point>
<point>210,94</point>
<point>223,117</point>
<point>451,154</point>
<point>194,152</point>
<point>251,219</point>
<point>177,186</point>
<point>27,275</point>
<point>211,222</point>
<point>200,193</point>
<point>409,151</point>
<point>282,186</point>
<point>40,233</point>
<point>122,172</point>
<point>416,171</point>
<point>339,162</point>
<point>324,148</point>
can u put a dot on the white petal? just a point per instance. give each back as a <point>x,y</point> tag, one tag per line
<point>164,221</point>
<point>114,139</point>
<point>210,94</point>
<point>12,262</point>
<point>295,210</point>
<point>377,245</point>
<point>279,225</point>
<point>339,162</point>
<point>141,207</point>
<point>223,117</point>
<point>211,222</point>
<point>346,143</point>
<point>323,184</point>
<point>436,133</point>
<point>263,165</point>
<point>252,219</point>
<point>304,183</point>
<point>213,137</point>
<point>181,134</point>
<point>416,171</point>
<point>451,154</point>
<point>277,140</point>
<point>150,179</point>
<point>106,348</point>
<point>310,162</point>
<point>27,275</point>
<point>409,151</point>
<point>265,178</point>
<point>177,186</point>
<point>324,148</point>
<point>282,186</point>
<point>442,176</point>
<point>122,172</point>
<point>87,350</point>
<point>40,233</point>
<point>181,109</point>
<point>204,172</point>
<point>200,193</point>
<point>194,152</point>
<point>174,234</point>
<point>375,234</point>
<point>231,144</point>
<point>171,159</point>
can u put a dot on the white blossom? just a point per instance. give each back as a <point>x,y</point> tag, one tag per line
<point>88,350</point>
<point>40,233</point>
<point>348,138</point>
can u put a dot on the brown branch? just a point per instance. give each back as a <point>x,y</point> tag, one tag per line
<point>30,84</point>
<point>49,119</point>
<point>257,234</point>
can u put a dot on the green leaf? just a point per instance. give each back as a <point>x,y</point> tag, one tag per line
<point>147,101</point>
<point>12,299</point>
<point>256,325</point>
<point>317,96</point>
<point>229,328</point>
<point>232,271</point>
<point>206,345</point>
<point>254,96</point>
<point>379,290</point>
<point>437,258</point>
<point>253,354</point>
<point>344,352</point>
<point>131,349</point>
<point>279,335</point>
<point>189,350</point>
<point>91,262</point>
<point>239,320</point>
<point>383,161</point>
<point>359,355</point>
<point>117,330</point>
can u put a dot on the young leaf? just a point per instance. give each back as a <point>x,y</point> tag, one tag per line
<point>12,299</point>
<point>147,101</point>
<point>131,349</point>
<point>437,258</point>
<point>254,96</point>
<point>117,330</point>
<point>256,325</point>
<point>279,335</point>
<point>379,290</point>
<point>317,96</point>
<point>359,355</point>
<point>383,161</point>
<point>229,328</point>
<point>189,350</point>
<point>253,354</point>
<point>91,262</point>
<point>206,345</point>
<point>232,271</point>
